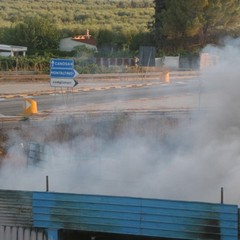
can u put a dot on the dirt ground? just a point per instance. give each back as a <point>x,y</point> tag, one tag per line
<point>104,128</point>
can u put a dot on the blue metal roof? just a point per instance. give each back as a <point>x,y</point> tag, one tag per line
<point>136,216</point>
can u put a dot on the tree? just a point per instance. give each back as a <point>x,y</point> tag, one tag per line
<point>7,36</point>
<point>105,39</point>
<point>188,23</point>
<point>180,21</point>
<point>220,18</point>
<point>35,33</point>
<point>141,39</point>
<point>160,6</point>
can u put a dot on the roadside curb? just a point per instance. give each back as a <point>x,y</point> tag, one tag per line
<point>77,90</point>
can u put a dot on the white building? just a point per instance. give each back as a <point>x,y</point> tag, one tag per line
<point>11,50</point>
<point>67,44</point>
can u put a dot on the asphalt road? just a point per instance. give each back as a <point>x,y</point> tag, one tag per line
<point>157,97</point>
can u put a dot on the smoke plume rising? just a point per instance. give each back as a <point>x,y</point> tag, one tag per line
<point>189,162</point>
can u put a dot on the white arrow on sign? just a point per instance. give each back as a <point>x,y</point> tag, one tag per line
<point>27,104</point>
<point>63,82</point>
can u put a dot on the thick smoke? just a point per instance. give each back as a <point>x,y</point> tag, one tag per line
<point>194,161</point>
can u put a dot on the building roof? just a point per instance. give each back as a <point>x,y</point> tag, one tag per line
<point>141,217</point>
<point>67,44</point>
<point>86,38</point>
<point>12,48</point>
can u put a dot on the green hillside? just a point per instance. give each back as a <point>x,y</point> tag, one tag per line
<point>78,15</point>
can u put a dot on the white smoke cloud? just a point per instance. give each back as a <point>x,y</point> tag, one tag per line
<point>193,163</point>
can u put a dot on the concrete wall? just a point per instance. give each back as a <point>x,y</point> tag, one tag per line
<point>171,62</point>
<point>208,60</point>
<point>5,54</point>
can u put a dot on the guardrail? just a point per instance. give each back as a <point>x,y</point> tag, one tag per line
<point>123,76</point>
<point>24,77</point>
<point>114,77</point>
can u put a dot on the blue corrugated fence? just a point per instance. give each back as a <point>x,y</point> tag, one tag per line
<point>136,216</point>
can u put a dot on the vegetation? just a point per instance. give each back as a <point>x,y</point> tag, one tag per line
<point>190,25</point>
<point>39,25</point>
<point>35,33</point>
<point>119,26</point>
<point>75,16</point>
<point>100,130</point>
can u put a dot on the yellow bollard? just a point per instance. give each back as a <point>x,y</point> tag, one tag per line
<point>166,77</point>
<point>30,106</point>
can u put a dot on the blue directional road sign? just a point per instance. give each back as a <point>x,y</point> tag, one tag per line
<point>63,73</point>
<point>62,64</point>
